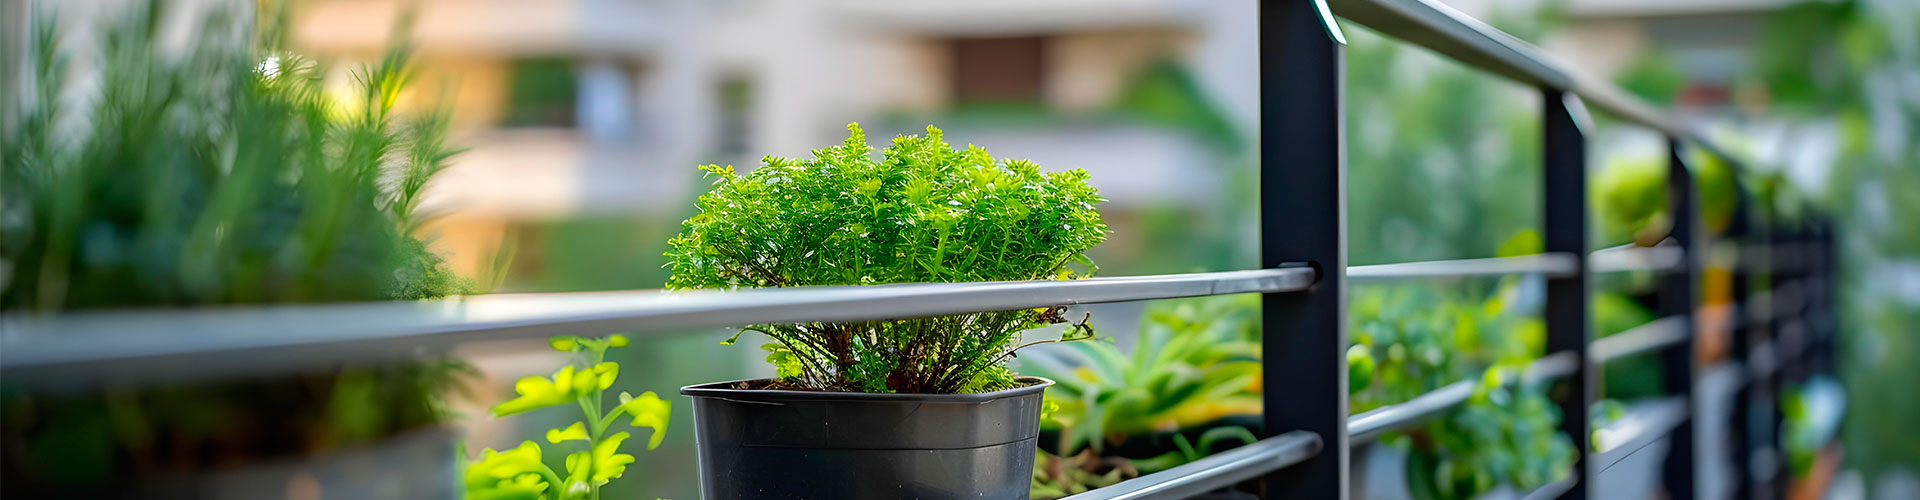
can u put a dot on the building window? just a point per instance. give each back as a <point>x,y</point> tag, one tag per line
<point>736,121</point>
<point>999,71</point>
<point>541,93</point>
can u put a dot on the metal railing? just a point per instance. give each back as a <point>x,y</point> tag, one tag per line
<point>1306,454</point>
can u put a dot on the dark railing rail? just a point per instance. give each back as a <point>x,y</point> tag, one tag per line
<point>1779,334</point>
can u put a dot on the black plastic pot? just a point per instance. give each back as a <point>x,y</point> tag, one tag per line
<point>767,444</point>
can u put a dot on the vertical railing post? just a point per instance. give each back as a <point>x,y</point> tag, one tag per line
<point>1303,219</point>
<point>1771,459</point>
<point>1565,229</point>
<point>1828,316</point>
<point>1741,436</point>
<point>1679,297</point>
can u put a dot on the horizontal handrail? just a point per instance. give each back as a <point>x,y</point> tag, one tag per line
<point>1370,424</point>
<point>1652,336</point>
<point>1642,425</point>
<point>1214,472</point>
<point>1442,29</point>
<point>1636,258</point>
<point>1458,36</point>
<point>130,343</point>
<point>1552,264</point>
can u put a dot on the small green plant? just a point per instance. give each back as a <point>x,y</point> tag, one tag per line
<point>1194,362</point>
<point>521,473</point>
<point>922,212</point>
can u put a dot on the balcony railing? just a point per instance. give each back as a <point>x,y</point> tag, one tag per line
<point>1303,236</point>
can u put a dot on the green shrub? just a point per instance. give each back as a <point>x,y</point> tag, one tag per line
<point>223,174</point>
<point>923,212</point>
<point>227,175</point>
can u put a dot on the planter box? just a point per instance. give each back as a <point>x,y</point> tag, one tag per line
<point>769,444</point>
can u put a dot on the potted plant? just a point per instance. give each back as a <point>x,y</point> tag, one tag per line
<point>889,408</point>
<point>223,174</point>
<point>1188,389</point>
<point>1410,341</point>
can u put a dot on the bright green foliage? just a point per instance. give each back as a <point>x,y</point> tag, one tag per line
<point>1630,201</point>
<point>1718,189</point>
<point>1630,197</point>
<point>1600,415</point>
<point>923,212</point>
<point>1416,340</point>
<point>1633,376</point>
<point>224,175</point>
<point>1194,361</point>
<point>1499,436</point>
<point>521,473</point>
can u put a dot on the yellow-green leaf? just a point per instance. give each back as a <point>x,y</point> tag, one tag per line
<point>576,431</point>
<point>539,392</point>
<point>648,411</point>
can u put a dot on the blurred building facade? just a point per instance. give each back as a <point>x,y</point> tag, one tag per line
<point>588,106</point>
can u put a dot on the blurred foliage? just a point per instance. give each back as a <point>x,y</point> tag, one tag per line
<point>1443,160</point>
<point>1633,376</point>
<point>1415,339</point>
<point>1629,197</point>
<point>1654,76</point>
<point>1165,93</point>
<point>588,252</point>
<point>1849,64</point>
<point>223,174</point>
<point>228,175</point>
<point>923,213</point>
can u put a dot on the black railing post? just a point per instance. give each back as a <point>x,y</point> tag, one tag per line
<point>1828,316</point>
<point>1303,219</point>
<point>1772,458</point>
<point>1565,230</point>
<point>1740,433</point>
<point>1679,297</point>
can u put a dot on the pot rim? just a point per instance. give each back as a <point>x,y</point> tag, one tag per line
<point>724,390</point>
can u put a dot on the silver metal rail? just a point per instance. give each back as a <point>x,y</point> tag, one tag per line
<point>1368,425</point>
<point>1642,425</point>
<point>134,343</point>
<point>1214,472</point>
<point>1551,264</point>
<point>1442,29</point>
<point>1636,258</point>
<point>1649,337</point>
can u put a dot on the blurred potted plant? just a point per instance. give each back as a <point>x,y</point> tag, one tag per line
<point>1186,391</point>
<point>1410,341</point>
<point>916,407</point>
<point>522,474</point>
<point>221,175</point>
